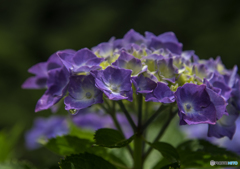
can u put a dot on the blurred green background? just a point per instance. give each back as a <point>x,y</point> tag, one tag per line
<point>30,31</point>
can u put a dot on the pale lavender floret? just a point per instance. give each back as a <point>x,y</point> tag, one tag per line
<point>82,93</point>
<point>195,105</point>
<point>114,82</point>
<point>40,71</point>
<point>213,65</point>
<point>44,129</point>
<point>57,88</point>
<point>162,93</point>
<point>200,71</point>
<point>231,77</point>
<point>165,70</point>
<point>166,40</point>
<point>144,83</point>
<point>105,49</point>
<point>82,61</point>
<point>133,37</point>
<point>226,125</point>
<point>127,61</point>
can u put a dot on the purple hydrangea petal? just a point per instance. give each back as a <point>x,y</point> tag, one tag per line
<point>218,102</point>
<point>82,60</point>
<point>41,72</point>
<point>133,37</point>
<point>35,83</point>
<point>127,61</point>
<point>162,93</point>
<point>82,93</point>
<point>39,69</point>
<point>143,83</point>
<point>39,81</point>
<point>57,88</point>
<point>194,104</point>
<point>218,81</point>
<point>166,40</point>
<point>114,82</point>
<point>230,78</point>
<point>104,49</point>
<point>226,125</point>
<point>47,101</point>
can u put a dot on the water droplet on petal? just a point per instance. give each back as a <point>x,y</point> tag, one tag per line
<point>73,111</point>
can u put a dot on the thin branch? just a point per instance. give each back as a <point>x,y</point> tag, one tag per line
<point>129,118</point>
<point>150,120</point>
<point>160,134</point>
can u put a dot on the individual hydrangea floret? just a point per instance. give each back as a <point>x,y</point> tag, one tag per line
<point>44,129</point>
<point>40,71</point>
<point>144,83</point>
<point>166,40</point>
<point>195,105</point>
<point>82,93</point>
<point>57,88</point>
<point>219,103</point>
<point>114,82</point>
<point>165,70</point>
<point>82,61</point>
<point>162,93</point>
<point>132,37</point>
<point>226,125</point>
<point>218,81</point>
<point>127,61</point>
<point>104,49</point>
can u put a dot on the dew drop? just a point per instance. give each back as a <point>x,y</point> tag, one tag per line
<point>73,111</point>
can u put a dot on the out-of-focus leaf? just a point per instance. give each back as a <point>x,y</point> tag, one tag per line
<point>111,138</point>
<point>8,140</point>
<point>85,161</point>
<point>81,133</point>
<point>16,165</point>
<point>66,145</point>
<point>199,153</point>
<point>167,151</point>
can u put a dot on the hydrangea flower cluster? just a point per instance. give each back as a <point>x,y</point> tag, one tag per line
<point>153,66</point>
<point>46,128</point>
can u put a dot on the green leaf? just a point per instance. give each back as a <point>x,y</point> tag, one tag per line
<point>66,145</point>
<point>85,161</point>
<point>111,138</point>
<point>81,133</point>
<point>199,153</point>
<point>8,141</point>
<point>167,151</point>
<point>16,165</point>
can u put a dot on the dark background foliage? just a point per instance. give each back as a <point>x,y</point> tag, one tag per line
<point>30,31</point>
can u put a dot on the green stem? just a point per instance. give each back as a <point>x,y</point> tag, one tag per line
<point>150,120</point>
<point>138,152</point>
<point>160,134</point>
<point>116,123</point>
<point>129,118</point>
<point>139,111</point>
